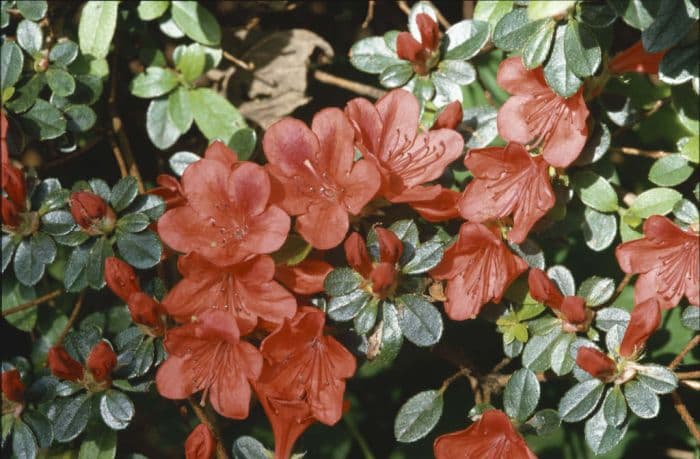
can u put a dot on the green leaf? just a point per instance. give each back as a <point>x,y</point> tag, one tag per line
<point>196,22</point>
<point>98,21</point>
<point>95,267</point>
<point>14,294</point>
<point>180,160</point>
<point>521,395</point>
<point>243,143</point>
<point>390,337</point>
<point>537,46</point>
<point>561,360</point>
<point>406,231</point>
<point>60,82</point>
<point>671,24</point>
<point>614,407</point>
<point>579,401</point>
<point>594,191</point>
<point>346,307</point>
<point>162,131</point>
<point>71,416</point>
<point>691,317</point>
<point>465,39</point>
<point>458,72</point>
<point>11,62</point>
<point>396,75</point>
<point>418,416</point>
<point>34,10</point>
<point>141,250</point>
<point>596,146</point>
<point>341,281</point>
<point>656,201</point>
<point>154,82</point>
<point>420,321</point>
<point>79,118</point>
<point>43,120</point>
<point>57,222</point>
<point>545,422</point>
<point>679,65</point>
<point>123,193</point>
<point>372,55</point>
<point>249,448</point>
<point>40,426</point>
<point>133,223</point>
<point>75,278</point>
<point>598,15</point>
<point>150,205</point>
<point>492,11</point>
<point>116,409</point>
<point>32,256</point>
<point>637,13</point>
<point>28,93</point>
<point>149,10</point>
<point>99,442</point>
<point>558,71</point>
<point>670,170</point>
<point>602,437</point>
<point>425,258</point>
<point>641,400</point>
<point>599,229</point>
<point>214,115</point>
<point>190,61</point>
<point>563,278</point>
<point>581,49</point>
<point>30,37</point>
<point>537,351</point>
<point>659,379</point>
<point>538,9</point>
<point>597,290</point>
<point>24,444</point>
<point>689,147</point>
<point>8,249</point>
<point>514,29</point>
<point>366,318</point>
<point>143,358</point>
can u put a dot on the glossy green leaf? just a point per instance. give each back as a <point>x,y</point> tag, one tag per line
<point>98,21</point>
<point>425,258</point>
<point>581,49</point>
<point>595,191</point>
<point>637,13</point>
<point>558,71</point>
<point>24,444</point>
<point>656,201</point>
<point>514,29</point>
<point>160,129</point>
<point>372,55</point>
<point>599,229</point>
<point>44,121</point>
<point>75,278</point>
<point>521,394</point>
<point>60,82</point>
<point>545,422</point>
<point>641,400</point>
<point>180,160</point>
<point>123,193</point>
<point>659,379</point>
<point>14,294</point>
<point>346,307</point>
<point>29,36</point>
<point>671,24</point>
<point>179,112</point>
<point>670,170</point>
<point>600,436</point>
<point>614,407</point>
<point>196,22</point>
<point>116,409</point>
<point>133,223</point>
<point>341,281</point>
<point>465,39</point>
<point>367,317</point>
<point>243,143</point>
<point>149,10</point>
<point>596,290</point>
<point>598,15</point>
<point>141,250</point>
<point>691,317</point>
<point>95,266</point>
<point>418,416</point>
<point>57,222</point>
<point>70,417</point>
<point>679,65</point>
<point>537,351</point>
<point>395,75</point>
<point>153,82</point>
<point>561,360</point>
<point>563,278</point>
<point>79,118</point>
<point>420,321</point>
<point>11,62</point>
<point>458,72</point>
<point>214,115</point>
<point>579,401</point>
<point>32,256</point>
<point>538,45</point>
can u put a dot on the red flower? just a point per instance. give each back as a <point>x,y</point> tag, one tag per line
<point>537,116</point>
<point>245,291</point>
<point>478,268</point>
<point>91,213</point>
<point>644,320</point>
<point>450,116</point>
<point>387,134</point>
<point>170,190</point>
<point>121,278</point>
<point>12,386</point>
<point>101,361</point>
<point>14,185</point>
<point>301,364</point>
<point>441,208</point>
<point>10,213</point>
<point>382,275</point>
<point>62,365</point>
<point>227,218</point>
<point>200,443</point>
<point>507,181</point>
<point>146,311</point>
<point>596,363</point>
<point>315,176</point>
<point>207,355</point>
<point>288,418</point>
<point>542,289</point>
<point>305,278</point>
<point>422,54</point>
<point>491,437</point>
<point>636,59</point>
<point>667,260</point>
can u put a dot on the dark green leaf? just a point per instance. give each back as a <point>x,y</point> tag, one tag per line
<point>8,249</point>
<point>537,351</point>
<point>341,281</point>
<point>95,267</point>
<point>545,422</point>
<point>75,278</point>
<point>670,26</point>
<point>579,401</point>
<point>521,395</point>
<point>43,120</point>
<point>133,222</point>
<point>33,10</point>
<point>465,39</point>
<point>372,55</point>
<point>141,250</point>
<point>99,443</point>
<point>98,21</point>
<point>116,409</point>
<point>670,170</point>
<point>596,290</point>
<point>346,307</point>
<point>561,360</point>
<point>32,256</point>
<point>659,379</point>
<point>641,400</point>
<point>196,22</point>
<point>180,160</point>
<point>71,416</point>
<point>425,258</point>
<point>599,229</point>
<point>418,416</point>
<point>57,222</point>
<point>24,444</point>
<point>153,82</point>
<point>60,81</point>
<point>150,205</point>
<point>11,62</point>
<point>420,321</point>
<point>14,294</point>
<point>28,93</point>
<point>679,65</point>
<point>598,15</point>
<point>537,46</point>
<point>179,110</point>
<point>601,437</point>
<point>581,49</point>
<point>514,29</point>
<point>249,448</point>
<point>367,317</point>
<point>80,118</point>
<point>64,52</point>
<point>396,75</point>
<point>243,143</point>
<point>29,36</point>
<point>389,337</point>
<point>691,317</point>
<point>595,191</point>
<point>637,13</point>
<point>161,130</point>
<point>614,407</point>
<point>123,193</point>
<point>214,115</point>
<point>557,71</point>
<point>596,146</point>
<point>149,10</point>
<point>40,425</point>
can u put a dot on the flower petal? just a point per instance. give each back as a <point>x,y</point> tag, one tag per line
<point>324,226</point>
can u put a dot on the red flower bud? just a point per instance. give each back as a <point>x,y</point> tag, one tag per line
<point>636,59</point>
<point>390,246</point>
<point>200,443</point>
<point>101,361</point>
<point>449,117</point>
<point>645,319</point>
<point>12,386</point>
<point>573,308</point>
<point>121,278</point>
<point>145,311</point>
<point>170,189</point>
<point>543,289</point>
<point>383,278</point>
<point>14,185</point>
<point>91,213</point>
<point>10,213</point>
<point>596,363</point>
<point>429,31</point>
<point>356,253</point>
<point>62,365</point>
<point>408,48</point>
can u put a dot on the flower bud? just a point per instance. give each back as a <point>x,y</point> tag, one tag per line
<point>383,279</point>
<point>356,254</point>
<point>91,213</point>
<point>145,311</point>
<point>200,443</point>
<point>390,246</point>
<point>121,278</point>
<point>644,320</point>
<point>595,363</point>
<point>10,213</point>
<point>14,185</point>
<point>573,308</point>
<point>449,117</point>
<point>62,365</point>
<point>12,386</point>
<point>101,361</point>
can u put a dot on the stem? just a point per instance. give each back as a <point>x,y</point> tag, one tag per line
<point>688,347</point>
<point>685,415</point>
<point>683,375</point>
<point>34,302</point>
<point>236,61</point>
<point>621,286</point>
<point>204,419</point>
<point>73,317</point>
<point>359,88</point>
<point>655,154</point>
<point>403,6</point>
<point>366,451</point>
<point>370,13</point>
<point>446,383</point>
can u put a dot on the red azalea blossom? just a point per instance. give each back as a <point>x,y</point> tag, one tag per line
<point>507,181</point>
<point>62,365</point>
<point>478,268</point>
<point>91,213</point>
<point>441,208</point>
<point>542,289</point>
<point>288,418</point>
<point>207,355</point>
<point>636,59</point>
<point>644,320</point>
<point>421,54</point>
<point>667,260</point>
<point>245,291</point>
<point>170,189</point>
<point>227,218</point>
<point>387,134</point>
<point>200,443</point>
<point>121,278</point>
<point>381,275</point>
<point>491,437</point>
<point>315,176</point>
<point>146,311</point>
<point>14,185</point>
<point>12,386</point>
<point>537,116</point>
<point>101,361</point>
<point>10,213</point>
<point>305,278</point>
<point>596,363</point>
<point>450,116</point>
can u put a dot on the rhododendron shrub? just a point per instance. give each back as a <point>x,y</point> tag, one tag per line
<point>222,238</point>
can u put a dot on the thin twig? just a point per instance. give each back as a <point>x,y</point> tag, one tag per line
<point>34,302</point>
<point>204,419</point>
<point>683,375</point>
<point>72,318</point>
<point>236,61</point>
<point>655,154</point>
<point>621,286</point>
<point>370,13</point>
<point>446,383</point>
<point>685,415</point>
<point>403,6</point>
<point>364,446</point>
<point>358,88</point>
<point>688,347</point>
